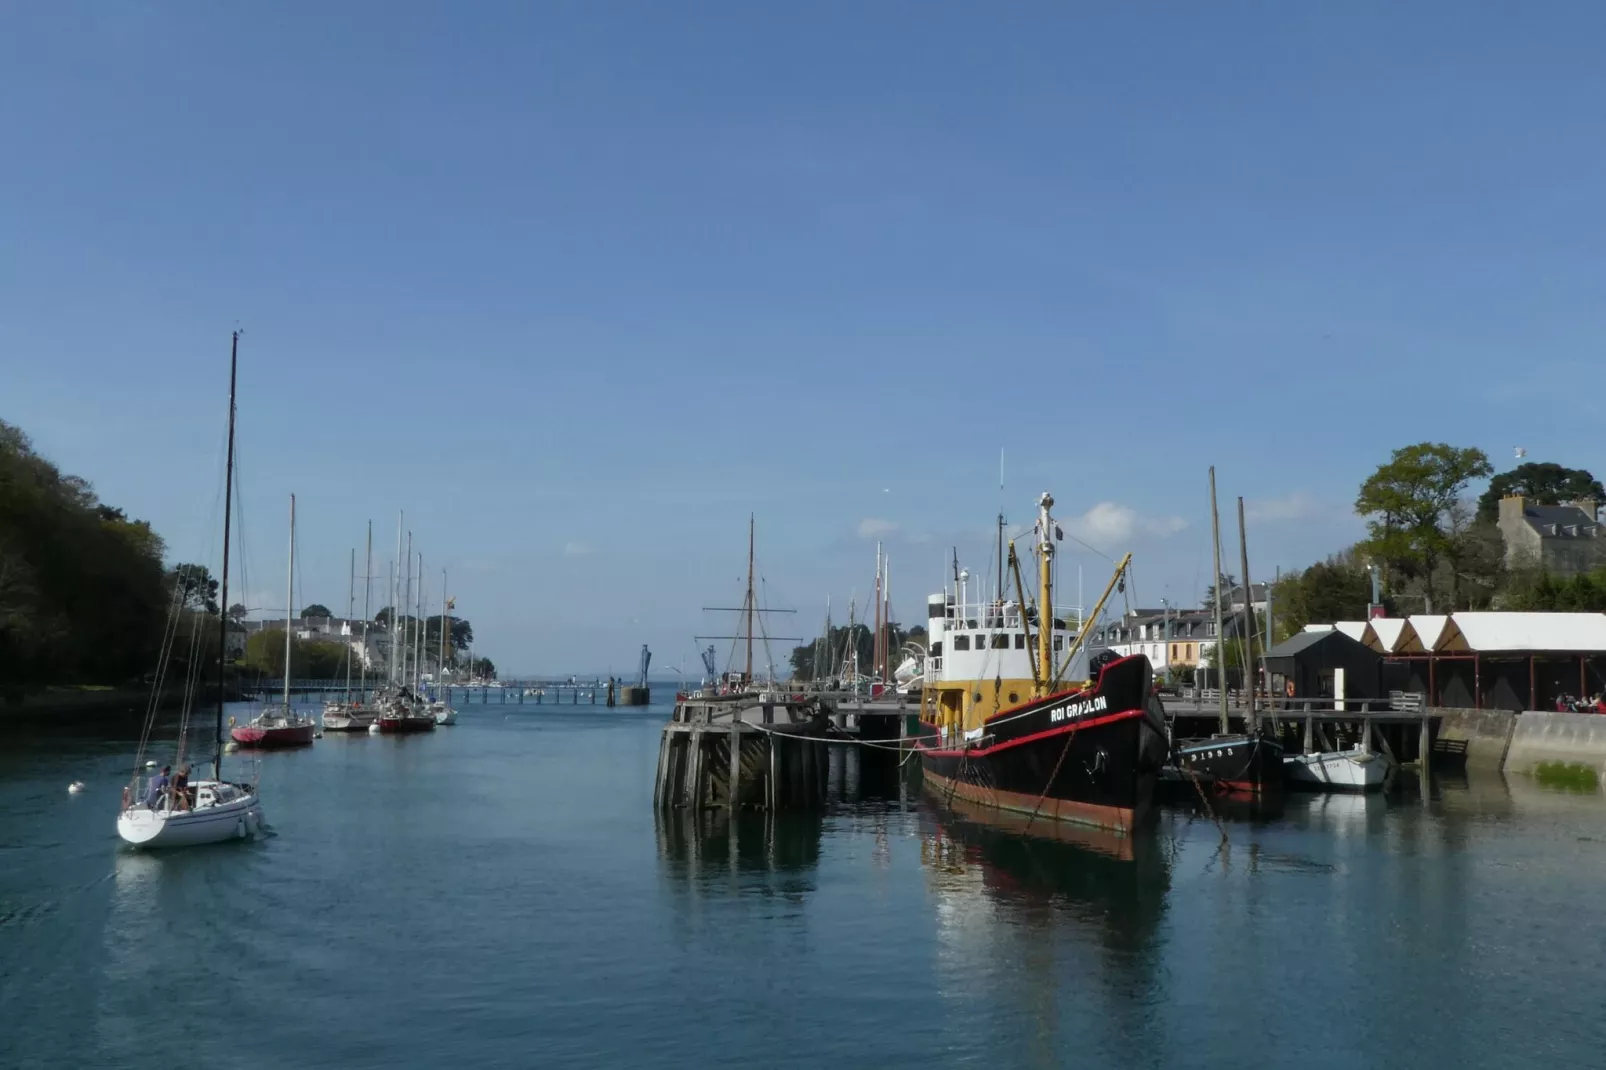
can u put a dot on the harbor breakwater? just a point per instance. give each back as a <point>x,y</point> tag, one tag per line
<point>1521,742</point>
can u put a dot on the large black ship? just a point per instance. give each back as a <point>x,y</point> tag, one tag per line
<point>1090,755</point>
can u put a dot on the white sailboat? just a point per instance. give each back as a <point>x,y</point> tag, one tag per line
<point>1356,769</point>
<point>156,810</point>
<point>349,716</point>
<point>444,714</point>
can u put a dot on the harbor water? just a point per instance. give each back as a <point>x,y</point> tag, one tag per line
<point>500,893</point>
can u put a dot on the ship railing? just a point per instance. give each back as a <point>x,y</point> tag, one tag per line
<point>996,615</point>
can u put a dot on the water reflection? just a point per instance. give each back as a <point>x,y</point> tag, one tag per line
<point>1039,870</point>
<point>708,846</point>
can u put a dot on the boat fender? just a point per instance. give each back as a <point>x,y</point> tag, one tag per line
<point>75,787</point>
<point>125,797</point>
<point>239,829</point>
<point>1288,688</point>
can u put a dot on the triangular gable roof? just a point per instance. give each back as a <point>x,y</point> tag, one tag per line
<point>1383,633</point>
<point>1352,628</point>
<point>1483,633</point>
<point>1420,634</point>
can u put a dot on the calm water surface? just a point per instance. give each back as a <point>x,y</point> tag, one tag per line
<point>499,894</point>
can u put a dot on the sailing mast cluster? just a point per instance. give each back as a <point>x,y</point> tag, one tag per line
<point>167,808</point>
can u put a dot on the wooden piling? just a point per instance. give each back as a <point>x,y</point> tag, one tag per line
<point>736,762</point>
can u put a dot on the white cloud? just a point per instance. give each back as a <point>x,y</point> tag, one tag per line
<point>870,528</point>
<point>578,549</point>
<point>1295,506</point>
<point>1111,522</point>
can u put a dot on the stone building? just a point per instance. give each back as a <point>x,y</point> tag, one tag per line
<point>1563,540</point>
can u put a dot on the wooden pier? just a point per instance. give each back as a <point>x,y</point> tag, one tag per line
<point>767,752</point>
<point>1401,726</point>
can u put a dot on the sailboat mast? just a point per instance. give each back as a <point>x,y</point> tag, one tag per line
<point>1250,629</point>
<point>289,600</point>
<point>440,671</point>
<point>407,609</point>
<point>750,606</point>
<point>1215,586</point>
<point>875,646</point>
<point>418,630</point>
<point>367,596</point>
<point>886,620</point>
<point>1045,595</point>
<point>223,593</point>
<point>396,648</point>
<point>351,607</point>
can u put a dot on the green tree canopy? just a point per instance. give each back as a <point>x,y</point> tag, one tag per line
<point>1326,592</point>
<point>483,669</point>
<point>200,589</point>
<point>309,659</point>
<point>1409,501</point>
<point>83,596</point>
<point>833,655</point>
<point>1542,483</point>
<point>317,609</point>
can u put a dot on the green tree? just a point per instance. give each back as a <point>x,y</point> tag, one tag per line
<point>1408,502</point>
<point>833,654</point>
<point>200,589</point>
<point>1326,592</point>
<point>82,591</point>
<point>238,612</point>
<point>1541,483</point>
<point>309,659</point>
<point>317,609</point>
<point>1226,582</point>
<point>483,669</point>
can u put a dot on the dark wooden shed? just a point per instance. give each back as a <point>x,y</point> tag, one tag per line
<point>1324,665</point>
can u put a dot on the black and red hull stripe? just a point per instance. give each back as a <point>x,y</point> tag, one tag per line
<point>1089,756</point>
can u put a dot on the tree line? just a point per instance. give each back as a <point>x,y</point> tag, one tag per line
<point>1437,548</point>
<point>833,654</point>
<point>85,597</point>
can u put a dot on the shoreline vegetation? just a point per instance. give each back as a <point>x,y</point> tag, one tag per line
<point>88,604</point>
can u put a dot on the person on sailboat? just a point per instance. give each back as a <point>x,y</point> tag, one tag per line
<point>157,786</point>
<point>181,783</point>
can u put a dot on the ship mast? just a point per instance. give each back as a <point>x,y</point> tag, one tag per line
<point>1045,597</point>
<point>223,593</point>
<point>1215,538</point>
<point>749,598</point>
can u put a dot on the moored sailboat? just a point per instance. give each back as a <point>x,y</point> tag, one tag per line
<point>1250,761</point>
<point>351,715</point>
<point>1085,750</point>
<point>157,811</point>
<point>280,725</point>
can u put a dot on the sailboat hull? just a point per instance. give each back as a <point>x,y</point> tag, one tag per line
<point>1247,764</point>
<point>1352,770</point>
<point>235,820</point>
<point>295,735</point>
<point>1090,757</point>
<point>407,723</point>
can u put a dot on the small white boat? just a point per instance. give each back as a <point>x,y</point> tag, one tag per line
<point>220,812</point>
<point>1336,770</point>
<point>348,717</point>
<point>444,714</point>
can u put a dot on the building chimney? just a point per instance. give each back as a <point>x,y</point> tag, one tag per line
<point>1590,506</point>
<point>1511,508</point>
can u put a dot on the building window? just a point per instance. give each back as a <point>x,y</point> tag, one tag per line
<point>961,642</point>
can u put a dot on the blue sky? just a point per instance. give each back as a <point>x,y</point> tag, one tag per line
<point>579,286</point>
